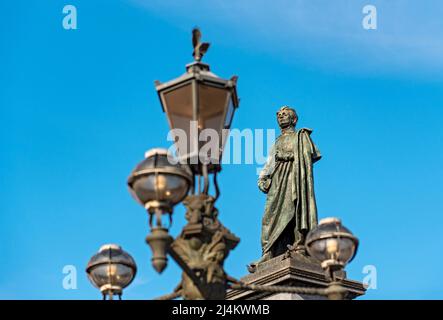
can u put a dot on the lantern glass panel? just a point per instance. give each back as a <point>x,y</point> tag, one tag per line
<point>212,104</point>
<point>111,274</point>
<point>178,104</point>
<point>179,108</point>
<point>346,250</point>
<point>340,249</point>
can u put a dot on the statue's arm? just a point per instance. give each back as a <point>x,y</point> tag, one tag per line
<point>264,183</point>
<point>265,178</point>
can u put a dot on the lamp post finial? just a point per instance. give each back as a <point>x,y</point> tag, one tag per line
<point>200,48</point>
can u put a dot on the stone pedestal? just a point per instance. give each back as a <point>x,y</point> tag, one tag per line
<point>296,270</point>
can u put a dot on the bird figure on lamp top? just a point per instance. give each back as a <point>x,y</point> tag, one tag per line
<point>200,48</point>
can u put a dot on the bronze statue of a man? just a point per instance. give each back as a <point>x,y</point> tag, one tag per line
<point>287,179</point>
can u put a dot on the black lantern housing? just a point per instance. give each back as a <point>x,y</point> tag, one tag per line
<point>195,101</point>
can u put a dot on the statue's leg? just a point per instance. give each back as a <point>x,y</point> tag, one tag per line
<point>266,255</point>
<point>266,252</point>
<point>299,237</point>
<point>298,245</point>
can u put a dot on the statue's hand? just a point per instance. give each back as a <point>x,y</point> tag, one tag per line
<point>264,184</point>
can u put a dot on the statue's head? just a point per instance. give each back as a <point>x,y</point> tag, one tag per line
<point>286,117</point>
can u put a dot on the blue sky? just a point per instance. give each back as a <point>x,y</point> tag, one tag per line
<point>78,110</point>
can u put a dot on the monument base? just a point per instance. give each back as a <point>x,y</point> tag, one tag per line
<point>296,270</point>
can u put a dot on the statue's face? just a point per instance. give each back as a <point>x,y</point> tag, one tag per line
<point>285,118</point>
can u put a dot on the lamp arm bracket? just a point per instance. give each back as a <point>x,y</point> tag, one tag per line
<point>183,265</point>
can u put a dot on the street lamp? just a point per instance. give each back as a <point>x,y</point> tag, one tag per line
<point>199,105</point>
<point>334,246</point>
<point>197,101</point>
<point>159,183</point>
<point>111,270</point>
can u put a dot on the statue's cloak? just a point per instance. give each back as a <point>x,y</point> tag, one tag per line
<point>288,179</point>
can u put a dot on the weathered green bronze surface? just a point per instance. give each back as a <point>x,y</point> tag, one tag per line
<point>287,179</point>
<point>201,250</point>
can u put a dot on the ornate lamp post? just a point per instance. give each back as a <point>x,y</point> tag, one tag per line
<point>194,102</point>
<point>111,270</point>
